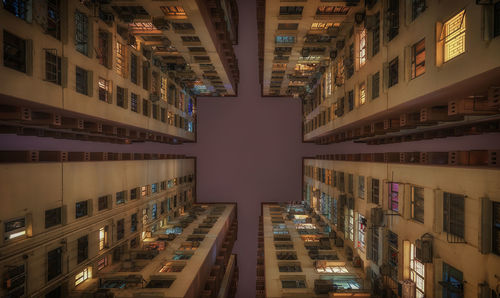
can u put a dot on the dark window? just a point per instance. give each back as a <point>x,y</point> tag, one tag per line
<point>417,203</point>
<point>120,229</point>
<point>293,284</point>
<point>81,32</point>
<point>154,187</point>
<point>291,10</point>
<point>496,31</point>
<point>452,282</point>
<point>133,102</point>
<point>392,15</point>
<point>133,68</point>
<point>120,96</point>
<point>163,185</point>
<point>104,90</point>
<point>350,183</point>
<point>376,35</point>
<point>52,217</point>
<point>349,62</point>
<point>341,182</point>
<point>417,7</point>
<point>182,26</point>
<point>133,222</point>
<point>375,85</point>
<point>392,239</point>
<point>496,228</point>
<point>55,293</point>
<point>155,111</point>
<point>52,68</point>
<point>120,197</point>
<point>350,98</point>
<point>14,52</point>
<point>53,19</point>
<point>145,77</point>
<point>82,81</point>
<point>54,263</point>
<point>190,38</point>
<point>375,190</point>
<point>81,209</point>
<point>163,111</point>
<point>134,193</point>
<point>83,249</point>
<point>454,215</point>
<point>418,59</point>
<point>145,107</point>
<point>103,48</point>
<point>19,8</point>
<point>103,203</point>
<point>393,72</point>
<point>15,281</point>
<point>288,26</point>
<point>393,197</point>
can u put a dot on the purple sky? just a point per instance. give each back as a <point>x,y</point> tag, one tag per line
<point>249,148</point>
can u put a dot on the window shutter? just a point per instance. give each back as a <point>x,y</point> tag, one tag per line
<point>111,50</point>
<point>408,12</point>
<point>384,198</point>
<point>405,199</point>
<point>407,64</point>
<point>109,198</point>
<point>64,72</point>
<point>485,241</point>
<point>125,98</point>
<point>438,211</point>
<point>385,76</point>
<point>355,184</point>
<point>64,214</point>
<point>488,18</point>
<point>90,83</point>
<point>90,207</point>
<point>438,276</point>
<point>368,88</point>
<point>385,247</point>
<point>29,57</point>
<point>368,190</point>
<point>369,44</point>
<point>368,241</point>
<point>29,225</point>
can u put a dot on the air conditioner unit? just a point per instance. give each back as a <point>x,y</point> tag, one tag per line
<point>370,22</point>
<point>423,250</point>
<point>409,289</point>
<point>154,97</point>
<point>377,217</point>
<point>359,17</point>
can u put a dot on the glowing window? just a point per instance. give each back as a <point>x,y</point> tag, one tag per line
<point>417,273</point>
<point>362,94</point>
<point>362,48</point>
<point>323,26</point>
<point>103,235</point>
<point>176,11</point>
<point>82,276</point>
<point>454,36</point>
<point>121,59</point>
<point>418,59</point>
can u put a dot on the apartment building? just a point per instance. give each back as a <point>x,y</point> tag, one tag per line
<point>109,225</point>
<point>384,71</point>
<point>418,224</point>
<point>114,71</point>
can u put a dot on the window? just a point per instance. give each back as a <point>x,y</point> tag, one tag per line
<point>176,11</point>
<point>375,191</point>
<point>376,35</point>
<point>19,8</point>
<point>14,52</point>
<point>145,107</point>
<point>82,81</point>
<point>133,68</point>
<point>392,239</point>
<point>362,48</point>
<point>83,249</point>
<point>144,191</point>
<point>154,211</point>
<point>332,10</point>
<point>101,263</point>
<point>103,48</point>
<point>417,203</point>
<point>350,224</point>
<point>82,276</point>
<point>289,267</point>
<point>133,223</point>
<point>393,72</point>
<point>496,21</point>
<point>392,17</point>
<point>104,90</point>
<point>417,273</point>
<point>15,281</point>
<point>496,228</point>
<point>52,68</point>
<point>121,97</point>
<point>163,89</point>
<point>182,26</point>
<point>374,244</point>
<point>103,237</point>
<point>418,59</point>
<point>81,209</point>
<point>81,33</point>
<point>349,62</point>
<point>154,187</point>
<point>291,10</point>
<point>454,36</point>
<point>324,26</point>
<point>293,283</point>
<point>163,185</point>
<point>54,263</point>
<point>134,192</point>
<point>350,99</point>
<point>454,215</point>
<point>362,93</point>
<point>190,38</point>
<point>15,228</point>
<point>350,183</point>
<point>452,282</point>
<point>154,111</point>
<point>120,229</point>
<point>417,7</point>
<point>145,77</point>
<point>52,217</point>
<point>53,19</point>
<point>361,232</point>
<point>361,187</point>
<point>102,203</point>
<point>133,103</point>
<point>120,197</point>
<point>288,26</point>
<point>375,85</point>
<point>285,39</point>
<point>121,59</point>
<point>393,196</point>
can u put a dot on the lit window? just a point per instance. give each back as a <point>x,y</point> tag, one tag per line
<point>101,263</point>
<point>103,237</point>
<point>328,82</point>
<point>417,203</point>
<point>15,228</point>
<point>418,59</point>
<point>362,94</point>
<point>454,36</point>
<point>104,89</point>
<point>82,276</point>
<point>394,196</point>
<point>362,48</point>
<point>323,26</point>
<point>176,11</point>
<point>332,10</point>
<point>163,88</point>
<point>417,273</point>
<point>144,191</point>
<point>361,232</point>
<point>19,8</point>
<point>121,59</point>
